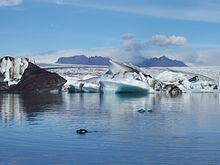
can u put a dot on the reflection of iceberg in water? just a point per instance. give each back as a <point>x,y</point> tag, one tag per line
<point>168,113</point>
<point>11,108</point>
<point>122,105</point>
<point>125,100</point>
<point>122,109</point>
<point>16,108</point>
<point>108,111</point>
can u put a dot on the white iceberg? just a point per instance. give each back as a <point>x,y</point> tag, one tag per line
<point>88,84</point>
<point>12,69</point>
<point>124,78</point>
<point>185,83</point>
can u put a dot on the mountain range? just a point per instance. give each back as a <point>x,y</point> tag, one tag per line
<point>162,61</point>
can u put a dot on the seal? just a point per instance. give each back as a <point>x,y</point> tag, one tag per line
<point>81,131</point>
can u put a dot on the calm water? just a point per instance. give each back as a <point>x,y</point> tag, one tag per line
<point>40,129</point>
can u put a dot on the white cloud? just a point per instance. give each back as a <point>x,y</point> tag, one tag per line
<point>10,2</point>
<point>211,57</point>
<point>163,40</point>
<point>132,45</point>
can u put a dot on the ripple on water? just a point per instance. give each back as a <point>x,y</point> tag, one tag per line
<point>42,129</point>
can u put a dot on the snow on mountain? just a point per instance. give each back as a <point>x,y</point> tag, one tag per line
<point>12,69</point>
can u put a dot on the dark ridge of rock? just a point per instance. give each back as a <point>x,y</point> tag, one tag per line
<point>36,79</point>
<point>162,61</point>
<point>83,60</point>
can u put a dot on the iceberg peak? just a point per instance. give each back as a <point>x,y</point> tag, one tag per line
<point>12,69</point>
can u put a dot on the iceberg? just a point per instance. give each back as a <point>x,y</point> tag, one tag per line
<point>184,82</point>
<point>12,69</point>
<point>87,85</point>
<point>123,86</point>
<point>124,78</point>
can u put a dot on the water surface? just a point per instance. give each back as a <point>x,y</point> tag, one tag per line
<point>41,129</point>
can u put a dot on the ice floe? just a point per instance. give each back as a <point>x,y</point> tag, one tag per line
<point>123,78</point>
<point>126,78</point>
<point>185,83</point>
<point>88,84</point>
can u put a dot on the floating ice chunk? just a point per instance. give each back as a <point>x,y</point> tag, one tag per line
<point>116,67</point>
<point>169,77</point>
<point>123,86</point>
<point>90,88</point>
<point>88,84</point>
<point>181,81</point>
<point>124,78</point>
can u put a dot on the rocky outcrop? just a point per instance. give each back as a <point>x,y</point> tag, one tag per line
<point>36,79</point>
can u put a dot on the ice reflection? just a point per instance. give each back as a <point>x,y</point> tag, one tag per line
<point>11,108</point>
<point>115,101</point>
<point>123,110</point>
<point>17,107</point>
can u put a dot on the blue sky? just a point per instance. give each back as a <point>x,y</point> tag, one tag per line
<point>125,29</point>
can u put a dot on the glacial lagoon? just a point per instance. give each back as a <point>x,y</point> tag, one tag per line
<point>41,129</point>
